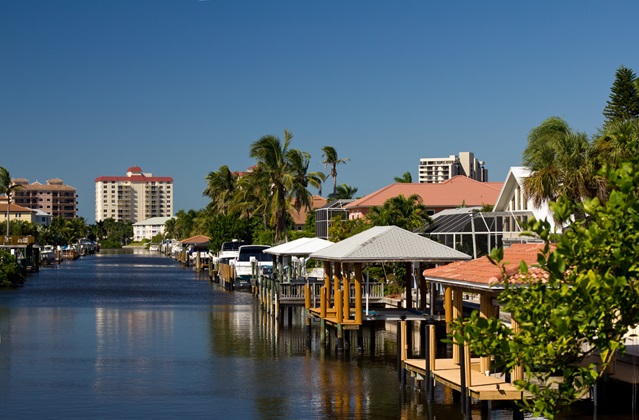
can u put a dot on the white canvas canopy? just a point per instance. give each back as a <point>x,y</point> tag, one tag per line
<point>299,247</point>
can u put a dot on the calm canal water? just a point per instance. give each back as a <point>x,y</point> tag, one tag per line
<point>133,334</point>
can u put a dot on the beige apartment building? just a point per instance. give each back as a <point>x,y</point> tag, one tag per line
<point>54,197</point>
<point>436,170</point>
<point>135,197</point>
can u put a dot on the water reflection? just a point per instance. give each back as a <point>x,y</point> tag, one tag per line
<point>136,335</point>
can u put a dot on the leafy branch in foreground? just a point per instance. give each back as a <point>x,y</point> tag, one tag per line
<point>574,307</point>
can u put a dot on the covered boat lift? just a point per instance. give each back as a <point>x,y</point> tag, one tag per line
<point>379,244</point>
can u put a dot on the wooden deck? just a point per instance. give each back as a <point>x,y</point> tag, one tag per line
<point>481,387</point>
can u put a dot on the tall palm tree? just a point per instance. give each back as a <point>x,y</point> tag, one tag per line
<point>220,188</point>
<point>280,176</point>
<point>299,162</point>
<point>331,159</point>
<point>7,187</point>
<point>562,161</point>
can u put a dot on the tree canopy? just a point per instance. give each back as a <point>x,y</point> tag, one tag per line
<point>572,323</point>
<point>624,97</point>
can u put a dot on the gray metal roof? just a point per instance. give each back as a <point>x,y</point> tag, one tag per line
<point>301,246</point>
<point>388,244</point>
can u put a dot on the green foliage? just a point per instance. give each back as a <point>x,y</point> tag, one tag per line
<point>110,243</point>
<point>405,212</point>
<point>341,229</point>
<point>406,178</point>
<point>582,309</point>
<point>225,228</point>
<point>329,154</point>
<point>624,98</point>
<point>11,273</point>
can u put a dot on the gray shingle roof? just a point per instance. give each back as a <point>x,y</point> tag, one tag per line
<point>388,244</point>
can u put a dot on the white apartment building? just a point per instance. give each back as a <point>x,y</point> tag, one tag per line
<point>436,170</point>
<point>135,197</point>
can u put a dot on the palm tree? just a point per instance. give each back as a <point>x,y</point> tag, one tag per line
<point>7,187</point>
<point>280,176</point>
<point>170,228</point>
<point>408,213</point>
<point>406,178</point>
<point>330,159</point>
<point>344,192</point>
<point>615,142</point>
<point>220,188</point>
<point>562,161</point>
<point>299,162</point>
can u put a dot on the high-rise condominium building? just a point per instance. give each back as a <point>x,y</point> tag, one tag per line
<point>54,197</point>
<point>135,197</point>
<point>435,170</point>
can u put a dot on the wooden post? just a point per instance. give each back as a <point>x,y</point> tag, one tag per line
<point>307,296</point>
<point>485,311</point>
<point>457,313</point>
<point>339,314</point>
<point>323,302</point>
<point>408,277</point>
<point>423,289</point>
<point>328,274</point>
<point>448,307</point>
<point>518,371</point>
<point>337,280</point>
<point>346,292</point>
<point>467,372</point>
<point>358,293</point>
<point>404,342</point>
<point>339,320</point>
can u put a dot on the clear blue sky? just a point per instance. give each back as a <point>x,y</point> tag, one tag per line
<point>89,88</point>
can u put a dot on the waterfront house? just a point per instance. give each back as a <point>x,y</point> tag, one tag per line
<point>459,191</point>
<point>147,229</point>
<point>16,212</point>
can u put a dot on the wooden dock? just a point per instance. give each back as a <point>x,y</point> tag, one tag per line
<point>480,386</point>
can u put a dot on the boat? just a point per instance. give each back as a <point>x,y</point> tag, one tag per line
<point>247,254</point>
<point>48,255</point>
<point>228,251</point>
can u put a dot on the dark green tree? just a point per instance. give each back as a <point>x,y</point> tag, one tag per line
<point>574,317</point>
<point>225,228</point>
<point>11,274</point>
<point>624,98</point>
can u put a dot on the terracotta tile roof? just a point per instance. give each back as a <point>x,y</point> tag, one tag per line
<point>15,208</point>
<point>196,240</point>
<point>299,217</point>
<point>481,272</point>
<point>449,194</point>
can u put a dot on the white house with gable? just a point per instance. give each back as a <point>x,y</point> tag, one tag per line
<point>512,197</point>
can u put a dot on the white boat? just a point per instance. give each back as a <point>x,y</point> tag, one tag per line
<point>47,255</point>
<point>244,263</point>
